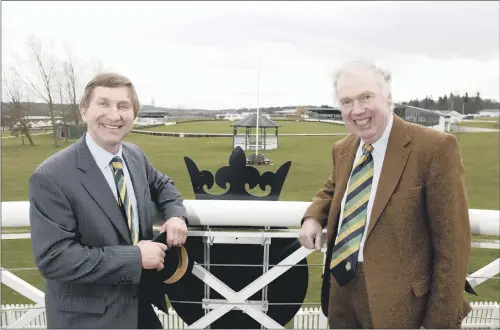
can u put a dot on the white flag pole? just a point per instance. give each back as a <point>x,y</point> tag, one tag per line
<point>258,113</point>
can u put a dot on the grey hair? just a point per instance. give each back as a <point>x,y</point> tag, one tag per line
<point>384,77</point>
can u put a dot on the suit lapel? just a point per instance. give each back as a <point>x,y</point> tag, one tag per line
<point>394,162</point>
<point>96,185</point>
<point>344,167</point>
<point>139,182</point>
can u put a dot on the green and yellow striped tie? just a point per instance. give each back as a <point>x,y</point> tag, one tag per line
<point>346,249</point>
<point>123,198</point>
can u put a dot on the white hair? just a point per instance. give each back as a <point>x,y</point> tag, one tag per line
<point>384,77</point>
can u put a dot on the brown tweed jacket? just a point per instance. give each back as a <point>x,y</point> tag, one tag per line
<point>418,241</point>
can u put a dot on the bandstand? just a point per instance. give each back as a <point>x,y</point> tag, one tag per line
<point>249,140</point>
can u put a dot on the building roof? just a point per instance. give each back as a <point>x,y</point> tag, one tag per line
<point>422,110</point>
<point>324,110</point>
<point>449,112</point>
<point>251,121</point>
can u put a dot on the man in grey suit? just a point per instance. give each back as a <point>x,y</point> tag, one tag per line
<point>91,227</point>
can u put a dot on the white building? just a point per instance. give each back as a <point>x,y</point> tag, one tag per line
<point>455,116</point>
<point>150,117</point>
<point>232,116</point>
<point>489,113</point>
<point>424,117</point>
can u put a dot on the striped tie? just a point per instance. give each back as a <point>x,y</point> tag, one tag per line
<point>123,199</point>
<point>345,251</point>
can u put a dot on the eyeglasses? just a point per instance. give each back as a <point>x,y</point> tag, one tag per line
<point>364,99</point>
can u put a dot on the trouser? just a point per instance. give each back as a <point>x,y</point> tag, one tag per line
<point>348,307</point>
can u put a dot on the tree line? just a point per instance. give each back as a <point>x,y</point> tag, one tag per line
<point>460,103</point>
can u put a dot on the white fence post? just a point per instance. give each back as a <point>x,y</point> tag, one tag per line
<point>495,316</point>
<point>323,320</point>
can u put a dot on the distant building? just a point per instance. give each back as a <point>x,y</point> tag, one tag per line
<point>489,113</point>
<point>70,131</point>
<point>423,117</point>
<point>232,116</point>
<point>151,117</point>
<point>324,113</point>
<point>455,116</point>
<point>285,112</point>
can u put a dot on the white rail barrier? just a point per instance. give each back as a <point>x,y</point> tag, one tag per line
<point>207,212</point>
<point>250,213</point>
<point>484,315</point>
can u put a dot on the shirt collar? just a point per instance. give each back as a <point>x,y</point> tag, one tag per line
<point>384,139</point>
<point>101,156</point>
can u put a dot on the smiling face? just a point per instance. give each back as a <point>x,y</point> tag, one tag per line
<point>109,116</point>
<point>364,103</point>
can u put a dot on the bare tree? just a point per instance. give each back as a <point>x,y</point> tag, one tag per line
<point>60,83</point>
<point>71,83</point>
<point>44,89</point>
<point>17,109</point>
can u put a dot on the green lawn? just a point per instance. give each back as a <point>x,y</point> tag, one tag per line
<point>490,124</point>
<point>480,152</point>
<point>310,165</point>
<point>286,127</point>
<point>488,118</point>
<point>311,162</point>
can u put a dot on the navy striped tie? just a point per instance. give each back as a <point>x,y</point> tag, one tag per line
<point>123,198</point>
<point>346,249</point>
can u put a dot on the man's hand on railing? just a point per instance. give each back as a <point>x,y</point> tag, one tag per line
<point>177,231</point>
<point>310,234</point>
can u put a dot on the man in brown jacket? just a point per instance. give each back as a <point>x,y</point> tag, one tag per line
<point>396,212</point>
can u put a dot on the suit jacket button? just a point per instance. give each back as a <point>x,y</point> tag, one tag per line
<point>134,295</point>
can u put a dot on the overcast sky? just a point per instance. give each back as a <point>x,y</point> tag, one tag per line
<point>206,54</point>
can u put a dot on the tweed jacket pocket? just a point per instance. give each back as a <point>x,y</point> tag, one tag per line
<point>81,304</point>
<point>421,286</point>
<point>407,192</point>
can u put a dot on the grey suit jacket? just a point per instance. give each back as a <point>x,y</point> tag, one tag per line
<point>81,242</point>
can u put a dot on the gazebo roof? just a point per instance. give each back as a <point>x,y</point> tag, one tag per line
<point>251,121</point>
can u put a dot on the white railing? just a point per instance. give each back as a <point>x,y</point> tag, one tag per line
<point>484,315</point>
<point>250,213</point>
<point>236,213</point>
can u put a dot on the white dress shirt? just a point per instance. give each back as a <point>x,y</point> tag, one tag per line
<point>378,153</point>
<point>103,158</point>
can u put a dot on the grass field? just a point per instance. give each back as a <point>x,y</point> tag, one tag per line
<point>286,127</point>
<point>488,118</point>
<point>311,162</point>
<point>490,124</point>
